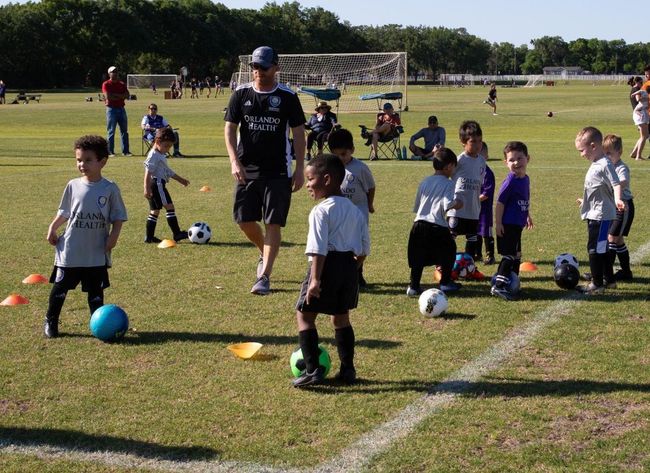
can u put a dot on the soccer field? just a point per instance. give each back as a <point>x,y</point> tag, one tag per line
<point>552,382</point>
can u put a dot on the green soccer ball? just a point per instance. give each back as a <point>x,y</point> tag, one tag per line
<point>297,363</point>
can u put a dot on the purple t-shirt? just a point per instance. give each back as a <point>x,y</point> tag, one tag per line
<point>514,194</point>
<point>486,217</point>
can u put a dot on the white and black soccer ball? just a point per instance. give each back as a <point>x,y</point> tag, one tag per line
<point>433,303</point>
<point>199,233</point>
<point>567,258</point>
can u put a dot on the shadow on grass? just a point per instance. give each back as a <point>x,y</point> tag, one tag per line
<point>24,165</point>
<point>152,338</point>
<point>248,244</point>
<point>80,441</point>
<point>491,387</point>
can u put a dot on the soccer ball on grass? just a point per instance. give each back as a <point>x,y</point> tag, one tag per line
<point>566,276</point>
<point>199,233</point>
<point>464,266</point>
<point>433,303</point>
<point>566,258</point>
<point>297,363</point>
<point>109,323</point>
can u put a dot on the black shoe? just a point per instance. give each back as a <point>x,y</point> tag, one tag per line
<point>347,375</point>
<point>489,260</point>
<point>308,379</point>
<point>623,275</point>
<point>368,141</point>
<point>51,329</point>
<point>180,236</point>
<point>152,240</point>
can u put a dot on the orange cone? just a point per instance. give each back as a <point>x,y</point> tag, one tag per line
<point>15,299</point>
<point>205,189</point>
<point>527,267</point>
<point>245,350</point>
<point>35,279</point>
<point>437,275</point>
<point>167,244</point>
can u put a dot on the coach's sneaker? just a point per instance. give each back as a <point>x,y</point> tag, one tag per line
<point>591,289</point>
<point>347,375</point>
<point>308,379</point>
<point>128,155</point>
<point>180,236</point>
<point>51,329</point>
<point>621,275</point>
<point>152,240</point>
<point>501,292</point>
<point>262,286</point>
<point>413,292</point>
<point>450,287</point>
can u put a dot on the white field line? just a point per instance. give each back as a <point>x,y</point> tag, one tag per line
<point>359,454</point>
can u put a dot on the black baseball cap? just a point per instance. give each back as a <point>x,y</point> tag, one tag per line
<point>265,56</point>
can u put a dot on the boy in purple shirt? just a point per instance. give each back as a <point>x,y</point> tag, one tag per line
<point>512,215</point>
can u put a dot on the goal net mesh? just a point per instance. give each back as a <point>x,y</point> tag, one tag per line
<point>352,74</point>
<point>144,81</point>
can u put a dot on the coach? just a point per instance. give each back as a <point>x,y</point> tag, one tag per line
<point>115,92</point>
<point>261,161</point>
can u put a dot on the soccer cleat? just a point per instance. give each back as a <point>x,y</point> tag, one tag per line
<point>260,267</point>
<point>51,329</point>
<point>180,236</point>
<point>347,375</point>
<point>152,240</point>
<point>450,287</point>
<point>489,260</point>
<point>623,275</point>
<point>591,289</point>
<point>411,292</point>
<point>475,275</point>
<point>501,292</point>
<point>128,155</point>
<point>308,379</point>
<point>262,286</point>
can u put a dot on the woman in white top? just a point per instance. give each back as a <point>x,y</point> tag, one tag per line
<point>641,118</point>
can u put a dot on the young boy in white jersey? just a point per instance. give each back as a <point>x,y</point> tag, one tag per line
<point>157,174</point>
<point>468,179</point>
<point>337,236</point>
<point>598,206</point>
<point>94,210</point>
<point>620,226</point>
<point>358,184</point>
<point>430,241</point>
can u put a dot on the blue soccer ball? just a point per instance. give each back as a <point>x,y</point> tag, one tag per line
<point>514,286</point>
<point>109,323</point>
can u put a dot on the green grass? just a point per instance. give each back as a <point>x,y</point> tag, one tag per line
<point>576,399</point>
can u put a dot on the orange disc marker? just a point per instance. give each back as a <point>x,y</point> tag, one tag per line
<point>15,299</point>
<point>35,279</point>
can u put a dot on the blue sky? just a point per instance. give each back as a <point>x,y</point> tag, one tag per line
<point>494,20</point>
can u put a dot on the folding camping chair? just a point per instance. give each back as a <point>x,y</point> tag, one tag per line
<point>389,146</point>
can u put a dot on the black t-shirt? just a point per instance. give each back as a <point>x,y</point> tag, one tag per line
<point>265,120</point>
<point>633,100</point>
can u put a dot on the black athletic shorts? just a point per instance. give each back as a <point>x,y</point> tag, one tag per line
<point>159,195</point>
<point>266,199</point>
<point>510,243</point>
<point>621,225</point>
<point>597,236</point>
<point>339,286</point>
<point>92,279</point>
<point>462,226</point>
<point>430,244</point>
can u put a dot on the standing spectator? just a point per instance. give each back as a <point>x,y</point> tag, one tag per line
<point>116,92</point>
<point>3,90</point>
<point>641,118</point>
<point>208,85</point>
<point>193,85</point>
<point>434,138</point>
<point>260,159</point>
<point>492,98</point>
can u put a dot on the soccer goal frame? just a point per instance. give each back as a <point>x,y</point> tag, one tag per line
<point>144,81</point>
<point>354,75</point>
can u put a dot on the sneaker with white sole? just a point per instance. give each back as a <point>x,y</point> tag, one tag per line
<point>591,289</point>
<point>412,292</point>
<point>262,286</point>
<point>309,379</point>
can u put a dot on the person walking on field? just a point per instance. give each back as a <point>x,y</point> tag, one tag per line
<point>116,92</point>
<point>261,159</point>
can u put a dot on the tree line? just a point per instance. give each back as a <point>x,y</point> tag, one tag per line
<point>70,43</point>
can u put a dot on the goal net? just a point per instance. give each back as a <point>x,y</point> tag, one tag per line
<point>355,75</point>
<point>144,81</point>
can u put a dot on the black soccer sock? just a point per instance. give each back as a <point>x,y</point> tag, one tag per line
<point>611,253</point>
<point>597,266</point>
<point>489,247</point>
<point>95,300</point>
<point>416,277</point>
<point>503,273</point>
<point>608,267</point>
<point>309,346</point>
<point>172,221</point>
<point>152,220</point>
<point>56,300</point>
<point>515,266</point>
<point>345,346</point>
<point>624,257</point>
<point>479,247</point>
<point>470,244</point>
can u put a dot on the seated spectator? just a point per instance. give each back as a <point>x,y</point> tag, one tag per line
<point>320,125</point>
<point>152,122</point>
<point>3,91</point>
<point>434,138</point>
<point>385,128</point>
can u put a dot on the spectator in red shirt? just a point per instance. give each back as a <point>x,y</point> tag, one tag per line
<point>387,122</point>
<point>115,92</point>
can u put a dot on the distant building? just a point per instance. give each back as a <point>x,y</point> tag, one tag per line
<point>563,71</point>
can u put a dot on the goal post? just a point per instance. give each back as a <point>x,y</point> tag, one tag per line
<point>353,74</point>
<point>144,81</point>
